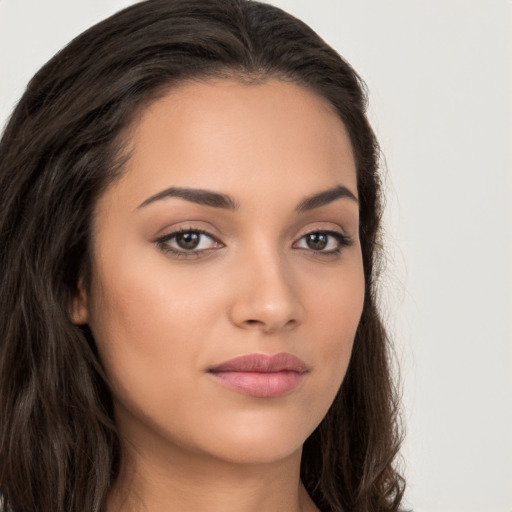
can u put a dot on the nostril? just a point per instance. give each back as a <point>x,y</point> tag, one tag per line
<point>253,322</point>
<point>269,327</point>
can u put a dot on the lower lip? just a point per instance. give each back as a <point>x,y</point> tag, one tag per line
<point>261,385</point>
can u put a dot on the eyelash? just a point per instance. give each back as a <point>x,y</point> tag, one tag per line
<point>341,239</point>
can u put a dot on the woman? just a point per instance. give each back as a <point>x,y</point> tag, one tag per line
<point>190,241</point>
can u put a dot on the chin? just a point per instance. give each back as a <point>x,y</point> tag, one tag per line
<point>257,451</point>
<point>259,438</point>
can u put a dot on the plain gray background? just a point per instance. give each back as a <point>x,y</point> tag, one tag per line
<point>440,79</point>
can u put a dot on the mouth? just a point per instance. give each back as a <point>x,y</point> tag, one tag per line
<point>260,375</point>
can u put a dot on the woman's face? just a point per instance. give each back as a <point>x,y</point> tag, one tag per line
<point>231,237</point>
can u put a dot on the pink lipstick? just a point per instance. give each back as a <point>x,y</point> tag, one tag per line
<point>260,375</point>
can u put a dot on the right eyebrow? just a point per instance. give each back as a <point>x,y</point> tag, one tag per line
<point>194,195</point>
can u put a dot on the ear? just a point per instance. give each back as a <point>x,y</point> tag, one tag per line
<point>79,312</point>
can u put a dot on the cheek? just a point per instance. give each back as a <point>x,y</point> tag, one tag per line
<point>139,320</point>
<point>141,298</point>
<point>337,303</point>
<point>143,330</point>
<point>337,310</point>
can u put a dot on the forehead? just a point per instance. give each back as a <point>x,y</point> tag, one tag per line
<point>223,134</point>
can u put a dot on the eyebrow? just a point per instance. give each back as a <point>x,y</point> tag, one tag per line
<point>219,200</point>
<point>324,198</point>
<point>194,195</point>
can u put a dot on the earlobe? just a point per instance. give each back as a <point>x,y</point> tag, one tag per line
<point>79,313</point>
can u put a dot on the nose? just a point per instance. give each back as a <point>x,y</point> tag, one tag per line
<point>265,296</point>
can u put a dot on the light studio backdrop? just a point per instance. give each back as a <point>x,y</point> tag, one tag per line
<point>440,79</point>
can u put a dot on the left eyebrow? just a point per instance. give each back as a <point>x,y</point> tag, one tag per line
<point>325,197</point>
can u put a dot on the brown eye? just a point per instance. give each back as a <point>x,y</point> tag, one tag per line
<point>188,241</point>
<point>317,241</point>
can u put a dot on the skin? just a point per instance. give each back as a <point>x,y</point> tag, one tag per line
<point>254,285</point>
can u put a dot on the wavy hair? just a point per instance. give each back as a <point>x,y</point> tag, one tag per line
<point>59,448</point>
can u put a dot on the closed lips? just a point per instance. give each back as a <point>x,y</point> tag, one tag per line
<point>261,363</point>
<point>261,376</point>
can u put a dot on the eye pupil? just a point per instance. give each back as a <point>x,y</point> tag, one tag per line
<point>317,241</point>
<point>188,240</point>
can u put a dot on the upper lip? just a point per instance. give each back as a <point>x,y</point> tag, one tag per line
<point>262,363</point>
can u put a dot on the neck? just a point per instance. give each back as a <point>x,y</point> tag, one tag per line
<point>152,481</point>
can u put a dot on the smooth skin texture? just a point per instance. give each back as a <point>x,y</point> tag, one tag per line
<point>242,276</point>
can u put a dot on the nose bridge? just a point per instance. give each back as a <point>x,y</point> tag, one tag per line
<point>265,295</point>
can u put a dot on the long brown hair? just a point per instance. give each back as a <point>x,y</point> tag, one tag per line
<point>59,448</point>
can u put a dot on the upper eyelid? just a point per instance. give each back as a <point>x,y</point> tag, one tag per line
<point>324,229</point>
<point>166,235</point>
<point>173,234</point>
